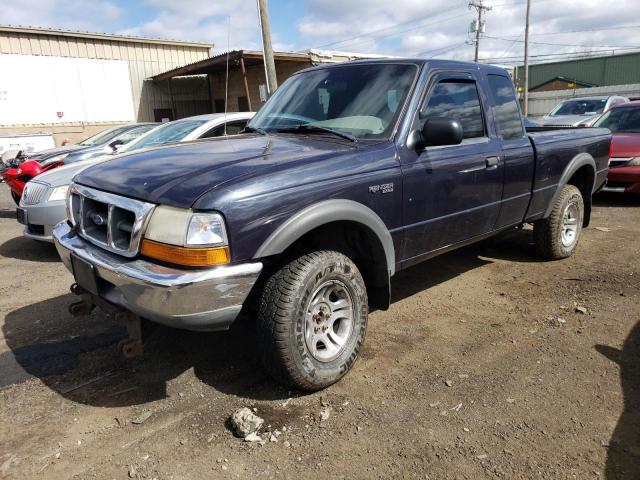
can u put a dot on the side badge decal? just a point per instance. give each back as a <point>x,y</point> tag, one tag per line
<point>384,188</point>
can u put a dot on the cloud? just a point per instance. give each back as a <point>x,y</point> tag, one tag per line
<point>403,27</point>
<point>203,21</point>
<point>96,16</point>
<point>441,27</point>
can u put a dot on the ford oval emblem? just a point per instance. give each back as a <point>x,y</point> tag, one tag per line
<point>98,219</point>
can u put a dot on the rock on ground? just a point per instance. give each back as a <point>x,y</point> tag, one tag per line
<point>245,422</point>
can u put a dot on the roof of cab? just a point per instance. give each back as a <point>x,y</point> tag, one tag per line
<point>632,104</point>
<point>438,63</point>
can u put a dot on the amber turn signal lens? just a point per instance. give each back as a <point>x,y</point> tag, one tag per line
<point>191,257</point>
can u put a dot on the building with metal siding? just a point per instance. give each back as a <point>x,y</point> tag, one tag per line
<point>623,69</point>
<point>145,58</point>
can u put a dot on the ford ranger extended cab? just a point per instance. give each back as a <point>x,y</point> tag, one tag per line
<point>348,174</point>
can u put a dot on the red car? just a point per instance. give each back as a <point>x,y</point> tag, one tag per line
<point>624,166</point>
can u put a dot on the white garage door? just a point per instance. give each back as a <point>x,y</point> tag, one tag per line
<point>45,90</point>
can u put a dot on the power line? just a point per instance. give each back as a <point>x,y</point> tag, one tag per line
<point>391,27</point>
<point>546,34</point>
<point>441,50</point>
<point>560,44</point>
<point>579,54</point>
<point>504,54</point>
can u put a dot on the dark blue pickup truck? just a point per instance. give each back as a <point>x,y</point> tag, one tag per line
<point>347,175</point>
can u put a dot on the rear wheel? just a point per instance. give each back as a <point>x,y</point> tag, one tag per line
<point>557,236</point>
<point>312,320</point>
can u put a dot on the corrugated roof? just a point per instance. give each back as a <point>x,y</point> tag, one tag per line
<point>219,61</point>
<point>99,36</point>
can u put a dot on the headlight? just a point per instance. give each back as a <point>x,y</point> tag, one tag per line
<point>206,230</point>
<point>184,237</point>
<point>58,193</point>
<point>635,162</point>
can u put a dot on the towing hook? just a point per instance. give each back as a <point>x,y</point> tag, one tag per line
<point>133,346</point>
<point>85,306</point>
<point>77,289</point>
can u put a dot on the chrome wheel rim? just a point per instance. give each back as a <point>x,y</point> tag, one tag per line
<point>570,220</point>
<point>329,321</point>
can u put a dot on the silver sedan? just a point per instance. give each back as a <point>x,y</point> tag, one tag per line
<point>43,203</point>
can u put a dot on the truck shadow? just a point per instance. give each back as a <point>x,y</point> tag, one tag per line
<point>623,457</point>
<point>7,213</point>
<point>80,358</point>
<point>23,248</point>
<point>610,199</point>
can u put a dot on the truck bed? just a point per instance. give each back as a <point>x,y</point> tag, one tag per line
<point>554,148</point>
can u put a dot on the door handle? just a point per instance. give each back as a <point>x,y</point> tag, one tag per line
<point>492,163</point>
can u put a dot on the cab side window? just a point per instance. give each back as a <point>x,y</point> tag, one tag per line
<point>456,100</point>
<point>507,111</point>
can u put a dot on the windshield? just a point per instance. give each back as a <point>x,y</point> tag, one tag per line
<point>621,120</point>
<point>104,136</point>
<point>170,132</point>
<point>362,101</point>
<point>135,133</point>
<point>580,107</point>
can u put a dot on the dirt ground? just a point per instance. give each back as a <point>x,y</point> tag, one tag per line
<point>482,368</point>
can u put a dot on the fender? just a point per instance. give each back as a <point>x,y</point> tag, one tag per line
<point>323,213</point>
<point>574,165</point>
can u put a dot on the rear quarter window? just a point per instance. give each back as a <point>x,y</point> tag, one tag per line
<point>506,110</point>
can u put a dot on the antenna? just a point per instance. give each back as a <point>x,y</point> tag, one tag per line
<point>226,83</point>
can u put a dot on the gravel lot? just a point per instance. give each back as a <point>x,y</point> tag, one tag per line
<point>482,368</point>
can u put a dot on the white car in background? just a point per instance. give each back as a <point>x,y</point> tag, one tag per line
<point>43,200</point>
<point>191,128</point>
<point>581,110</point>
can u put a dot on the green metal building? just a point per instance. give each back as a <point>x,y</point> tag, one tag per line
<point>621,69</point>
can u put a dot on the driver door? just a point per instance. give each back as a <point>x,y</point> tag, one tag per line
<point>452,193</point>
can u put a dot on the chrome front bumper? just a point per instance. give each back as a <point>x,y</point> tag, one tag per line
<point>203,300</point>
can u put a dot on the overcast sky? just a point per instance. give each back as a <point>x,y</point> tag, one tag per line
<point>393,27</point>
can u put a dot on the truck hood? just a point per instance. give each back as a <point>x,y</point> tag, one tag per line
<point>178,175</point>
<point>625,145</point>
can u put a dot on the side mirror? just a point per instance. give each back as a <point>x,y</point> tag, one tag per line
<point>439,132</point>
<point>115,144</point>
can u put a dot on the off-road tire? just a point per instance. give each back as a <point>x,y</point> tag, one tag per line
<point>547,233</point>
<point>281,321</point>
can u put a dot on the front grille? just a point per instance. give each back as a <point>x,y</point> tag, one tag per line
<point>110,221</point>
<point>618,161</point>
<point>34,193</point>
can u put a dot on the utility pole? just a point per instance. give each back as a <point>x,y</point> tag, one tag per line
<point>267,48</point>
<point>526,61</point>
<point>479,27</point>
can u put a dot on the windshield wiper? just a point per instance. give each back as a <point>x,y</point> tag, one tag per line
<point>307,128</point>
<point>253,129</point>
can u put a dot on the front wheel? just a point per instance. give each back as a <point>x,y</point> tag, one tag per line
<point>312,320</point>
<point>16,197</point>
<point>557,236</point>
